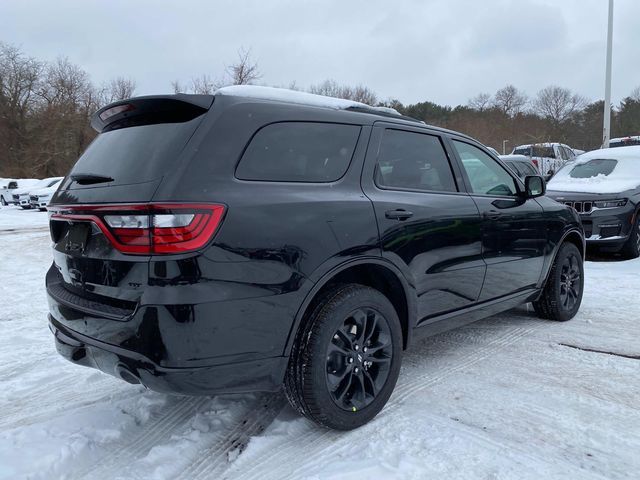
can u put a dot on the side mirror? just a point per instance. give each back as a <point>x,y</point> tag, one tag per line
<point>534,186</point>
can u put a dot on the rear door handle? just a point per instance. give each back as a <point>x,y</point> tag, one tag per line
<point>398,214</point>
<point>492,215</point>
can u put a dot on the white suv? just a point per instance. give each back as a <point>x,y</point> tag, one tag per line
<point>40,197</point>
<point>21,197</point>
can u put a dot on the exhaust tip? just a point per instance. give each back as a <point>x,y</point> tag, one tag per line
<point>125,374</point>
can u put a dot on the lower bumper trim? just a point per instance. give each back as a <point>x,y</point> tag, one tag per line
<point>258,375</point>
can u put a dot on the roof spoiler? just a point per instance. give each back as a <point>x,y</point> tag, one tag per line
<point>150,110</point>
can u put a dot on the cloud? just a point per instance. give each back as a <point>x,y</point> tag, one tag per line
<point>443,51</point>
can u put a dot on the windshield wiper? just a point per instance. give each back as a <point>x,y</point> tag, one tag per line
<point>90,178</point>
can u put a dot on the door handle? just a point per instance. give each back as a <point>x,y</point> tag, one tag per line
<point>398,214</point>
<point>492,215</point>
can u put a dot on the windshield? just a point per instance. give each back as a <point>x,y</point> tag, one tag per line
<point>136,154</point>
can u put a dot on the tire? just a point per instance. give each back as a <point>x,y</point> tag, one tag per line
<point>335,377</point>
<point>631,248</point>
<point>3,201</point>
<point>562,294</point>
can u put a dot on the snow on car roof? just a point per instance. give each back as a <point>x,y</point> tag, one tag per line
<point>544,144</point>
<point>300,98</point>
<point>625,175</point>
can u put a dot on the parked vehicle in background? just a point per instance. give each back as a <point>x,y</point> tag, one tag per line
<point>11,186</point>
<point>547,157</point>
<point>275,237</point>
<point>520,165</point>
<point>40,197</point>
<point>603,186</point>
<point>624,142</point>
<point>21,196</point>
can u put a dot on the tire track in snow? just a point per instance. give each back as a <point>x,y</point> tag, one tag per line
<point>141,440</point>
<point>17,231</point>
<point>215,459</point>
<point>52,399</point>
<point>315,446</point>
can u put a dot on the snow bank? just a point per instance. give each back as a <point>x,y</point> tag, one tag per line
<point>625,175</point>
<point>300,98</point>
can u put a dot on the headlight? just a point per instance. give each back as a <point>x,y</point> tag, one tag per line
<point>611,203</point>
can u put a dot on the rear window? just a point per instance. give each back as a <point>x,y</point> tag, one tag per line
<point>593,168</point>
<point>535,151</point>
<point>136,154</point>
<point>299,152</point>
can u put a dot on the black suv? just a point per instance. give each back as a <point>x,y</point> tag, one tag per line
<point>262,237</point>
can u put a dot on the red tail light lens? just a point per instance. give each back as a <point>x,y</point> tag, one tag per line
<point>151,228</point>
<point>535,162</point>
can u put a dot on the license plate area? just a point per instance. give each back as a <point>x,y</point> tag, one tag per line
<point>77,237</point>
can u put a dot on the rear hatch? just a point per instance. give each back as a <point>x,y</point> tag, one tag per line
<point>103,224</point>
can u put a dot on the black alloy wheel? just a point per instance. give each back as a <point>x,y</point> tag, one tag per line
<point>562,294</point>
<point>346,357</point>
<point>358,359</point>
<point>570,285</point>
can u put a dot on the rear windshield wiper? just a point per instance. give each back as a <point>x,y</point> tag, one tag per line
<point>90,178</point>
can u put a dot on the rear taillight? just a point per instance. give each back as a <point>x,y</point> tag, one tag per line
<point>535,162</point>
<point>146,229</point>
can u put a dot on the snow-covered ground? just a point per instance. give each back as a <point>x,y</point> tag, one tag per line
<point>508,397</point>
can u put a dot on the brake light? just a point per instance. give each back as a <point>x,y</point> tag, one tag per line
<point>110,112</point>
<point>535,162</point>
<point>146,229</point>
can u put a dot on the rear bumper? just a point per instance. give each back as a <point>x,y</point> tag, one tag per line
<point>240,377</point>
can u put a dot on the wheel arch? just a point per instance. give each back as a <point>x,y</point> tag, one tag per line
<point>374,272</point>
<point>573,236</point>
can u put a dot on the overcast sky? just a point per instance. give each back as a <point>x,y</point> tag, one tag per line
<point>437,50</point>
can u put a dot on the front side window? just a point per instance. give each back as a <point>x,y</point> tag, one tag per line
<point>299,152</point>
<point>413,161</point>
<point>486,176</point>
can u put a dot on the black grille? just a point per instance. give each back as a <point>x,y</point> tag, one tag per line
<point>34,198</point>
<point>16,197</point>
<point>581,207</point>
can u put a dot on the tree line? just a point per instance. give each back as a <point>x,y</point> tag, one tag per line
<point>45,109</point>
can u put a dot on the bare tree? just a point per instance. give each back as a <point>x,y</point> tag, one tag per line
<point>177,87</point>
<point>65,84</point>
<point>331,88</point>
<point>245,70</point>
<point>19,78</point>
<point>119,88</point>
<point>480,102</point>
<point>635,94</point>
<point>510,100</point>
<point>558,104</point>
<point>204,85</point>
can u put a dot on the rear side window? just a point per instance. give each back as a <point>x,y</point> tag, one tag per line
<point>414,161</point>
<point>299,152</point>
